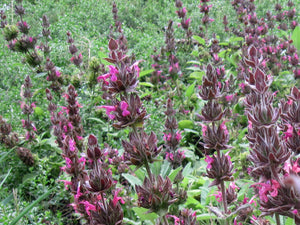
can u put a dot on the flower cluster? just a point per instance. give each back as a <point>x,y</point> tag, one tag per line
<point>7,137</point>
<point>172,137</point>
<point>206,20</point>
<point>76,59</point>
<point>185,22</point>
<point>27,108</point>
<point>270,153</point>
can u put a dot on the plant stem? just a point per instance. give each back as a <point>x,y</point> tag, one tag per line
<point>277,219</point>
<point>165,220</point>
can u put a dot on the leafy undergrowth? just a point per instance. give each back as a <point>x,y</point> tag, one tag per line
<point>149,112</point>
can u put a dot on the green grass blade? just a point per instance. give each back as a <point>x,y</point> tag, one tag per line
<point>5,177</point>
<point>28,208</point>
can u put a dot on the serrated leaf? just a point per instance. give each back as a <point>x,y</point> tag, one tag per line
<point>146,72</point>
<point>142,213</point>
<point>174,173</point>
<point>190,90</point>
<point>199,39</point>
<point>132,179</point>
<point>146,84</point>
<point>183,124</point>
<point>296,37</point>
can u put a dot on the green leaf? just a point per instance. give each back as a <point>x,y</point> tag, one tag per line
<point>289,221</point>
<point>6,154</point>
<point>183,124</point>
<point>146,84</point>
<point>206,216</point>
<point>5,177</point>
<point>223,44</point>
<point>190,90</point>
<point>199,39</point>
<point>194,62</point>
<point>38,111</point>
<point>146,72</point>
<point>97,120</point>
<point>102,55</point>
<point>197,75</point>
<point>193,68</point>
<point>142,213</point>
<point>236,39</point>
<point>128,221</point>
<point>41,74</point>
<point>165,168</point>
<point>31,206</point>
<point>155,167</point>
<point>296,37</point>
<point>174,173</point>
<point>187,170</point>
<point>132,179</point>
<point>193,193</point>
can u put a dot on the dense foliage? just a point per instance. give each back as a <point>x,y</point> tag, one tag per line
<point>149,112</point>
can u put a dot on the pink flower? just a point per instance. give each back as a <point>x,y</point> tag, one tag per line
<point>66,183</point>
<point>124,106</point>
<point>109,110</point>
<point>68,162</point>
<point>233,186</point>
<point>187,21</point>
<point>82,159</point>
<point>295,211</point>
<point>229,98</point>
<point>268,188</point>
<point>250,124</point>
<point>72,145</point>
<point>242,85</point>
<point>57,73</point>
<point>104,77</point>
<point>186,112</point>
<point>218,196</point>
<point>204,129</point>
<point>167,137</point>
<point>116,198</point>
<point>289,133</point>
<point>178,136</point>
<point>169,156</point>
<point>137,69</point>
<point>224,128</point>
<point>290,102</point>
<point>113,72</point>
<point>209,161</point>
<point>88,207</point>
<point>176,219</point>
